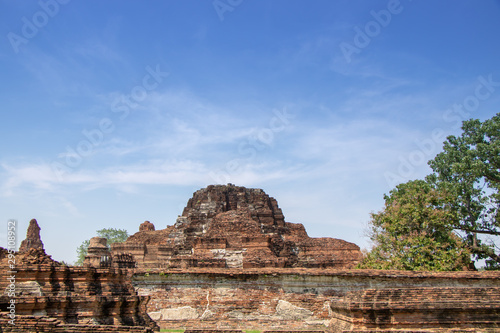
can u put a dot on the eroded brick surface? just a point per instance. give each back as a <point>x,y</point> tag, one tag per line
<point>36,324</point>
<point>419,308</point>
<point>56,296</point>
<point>321,299</point>
<point>32,240</point>
<point>227,226</point>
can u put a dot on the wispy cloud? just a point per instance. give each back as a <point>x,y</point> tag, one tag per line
<point>40,178</point>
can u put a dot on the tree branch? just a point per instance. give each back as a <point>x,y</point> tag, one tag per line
<point>490,253</point>
<point>486,232</point>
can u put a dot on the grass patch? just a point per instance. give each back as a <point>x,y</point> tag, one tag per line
<point>252,331</point>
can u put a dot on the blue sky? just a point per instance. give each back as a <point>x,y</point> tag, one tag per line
<point>115,112</point>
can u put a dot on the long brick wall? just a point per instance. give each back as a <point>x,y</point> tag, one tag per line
<point>419,308</point>
<point>320,300</point>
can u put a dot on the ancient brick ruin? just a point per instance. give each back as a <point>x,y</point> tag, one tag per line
<point>227,226</point>
<point>55,298</point>
<point>231,263</point>
<point>32,240</point>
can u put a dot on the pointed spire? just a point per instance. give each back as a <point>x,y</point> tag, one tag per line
<point>32,240</point>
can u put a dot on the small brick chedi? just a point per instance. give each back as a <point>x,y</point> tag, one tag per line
<point>227,226</point>
<point>32,240</point>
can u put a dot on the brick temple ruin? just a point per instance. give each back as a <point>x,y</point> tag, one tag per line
<point>51,297</point>
<point>231,263</point>
<point>233,227</point>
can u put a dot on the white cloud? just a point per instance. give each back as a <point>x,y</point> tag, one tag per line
<point>41,177</point>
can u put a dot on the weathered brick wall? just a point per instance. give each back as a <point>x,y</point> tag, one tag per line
<point>311,299</point>
<point>419,308</point>
<point>39,324</point>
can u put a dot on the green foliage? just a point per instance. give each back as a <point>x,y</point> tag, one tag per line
<point>492,266</point>
<point>469,167</point>
<point>81,252</point>
<point>111,234</point>
<point>414,231</point>
<point>451,217</point>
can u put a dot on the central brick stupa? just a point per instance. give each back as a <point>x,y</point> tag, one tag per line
<point>228,226</point>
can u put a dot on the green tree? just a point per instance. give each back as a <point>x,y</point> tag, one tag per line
<point>414,231</point>
<point>111,234</point>
<point>81,252</point>
<point>469,168</point>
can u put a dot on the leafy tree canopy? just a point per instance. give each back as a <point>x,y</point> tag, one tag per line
<point>414,231</point>
<point>113,235</point>
<point>469,167</point>
<point>451,217</point>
